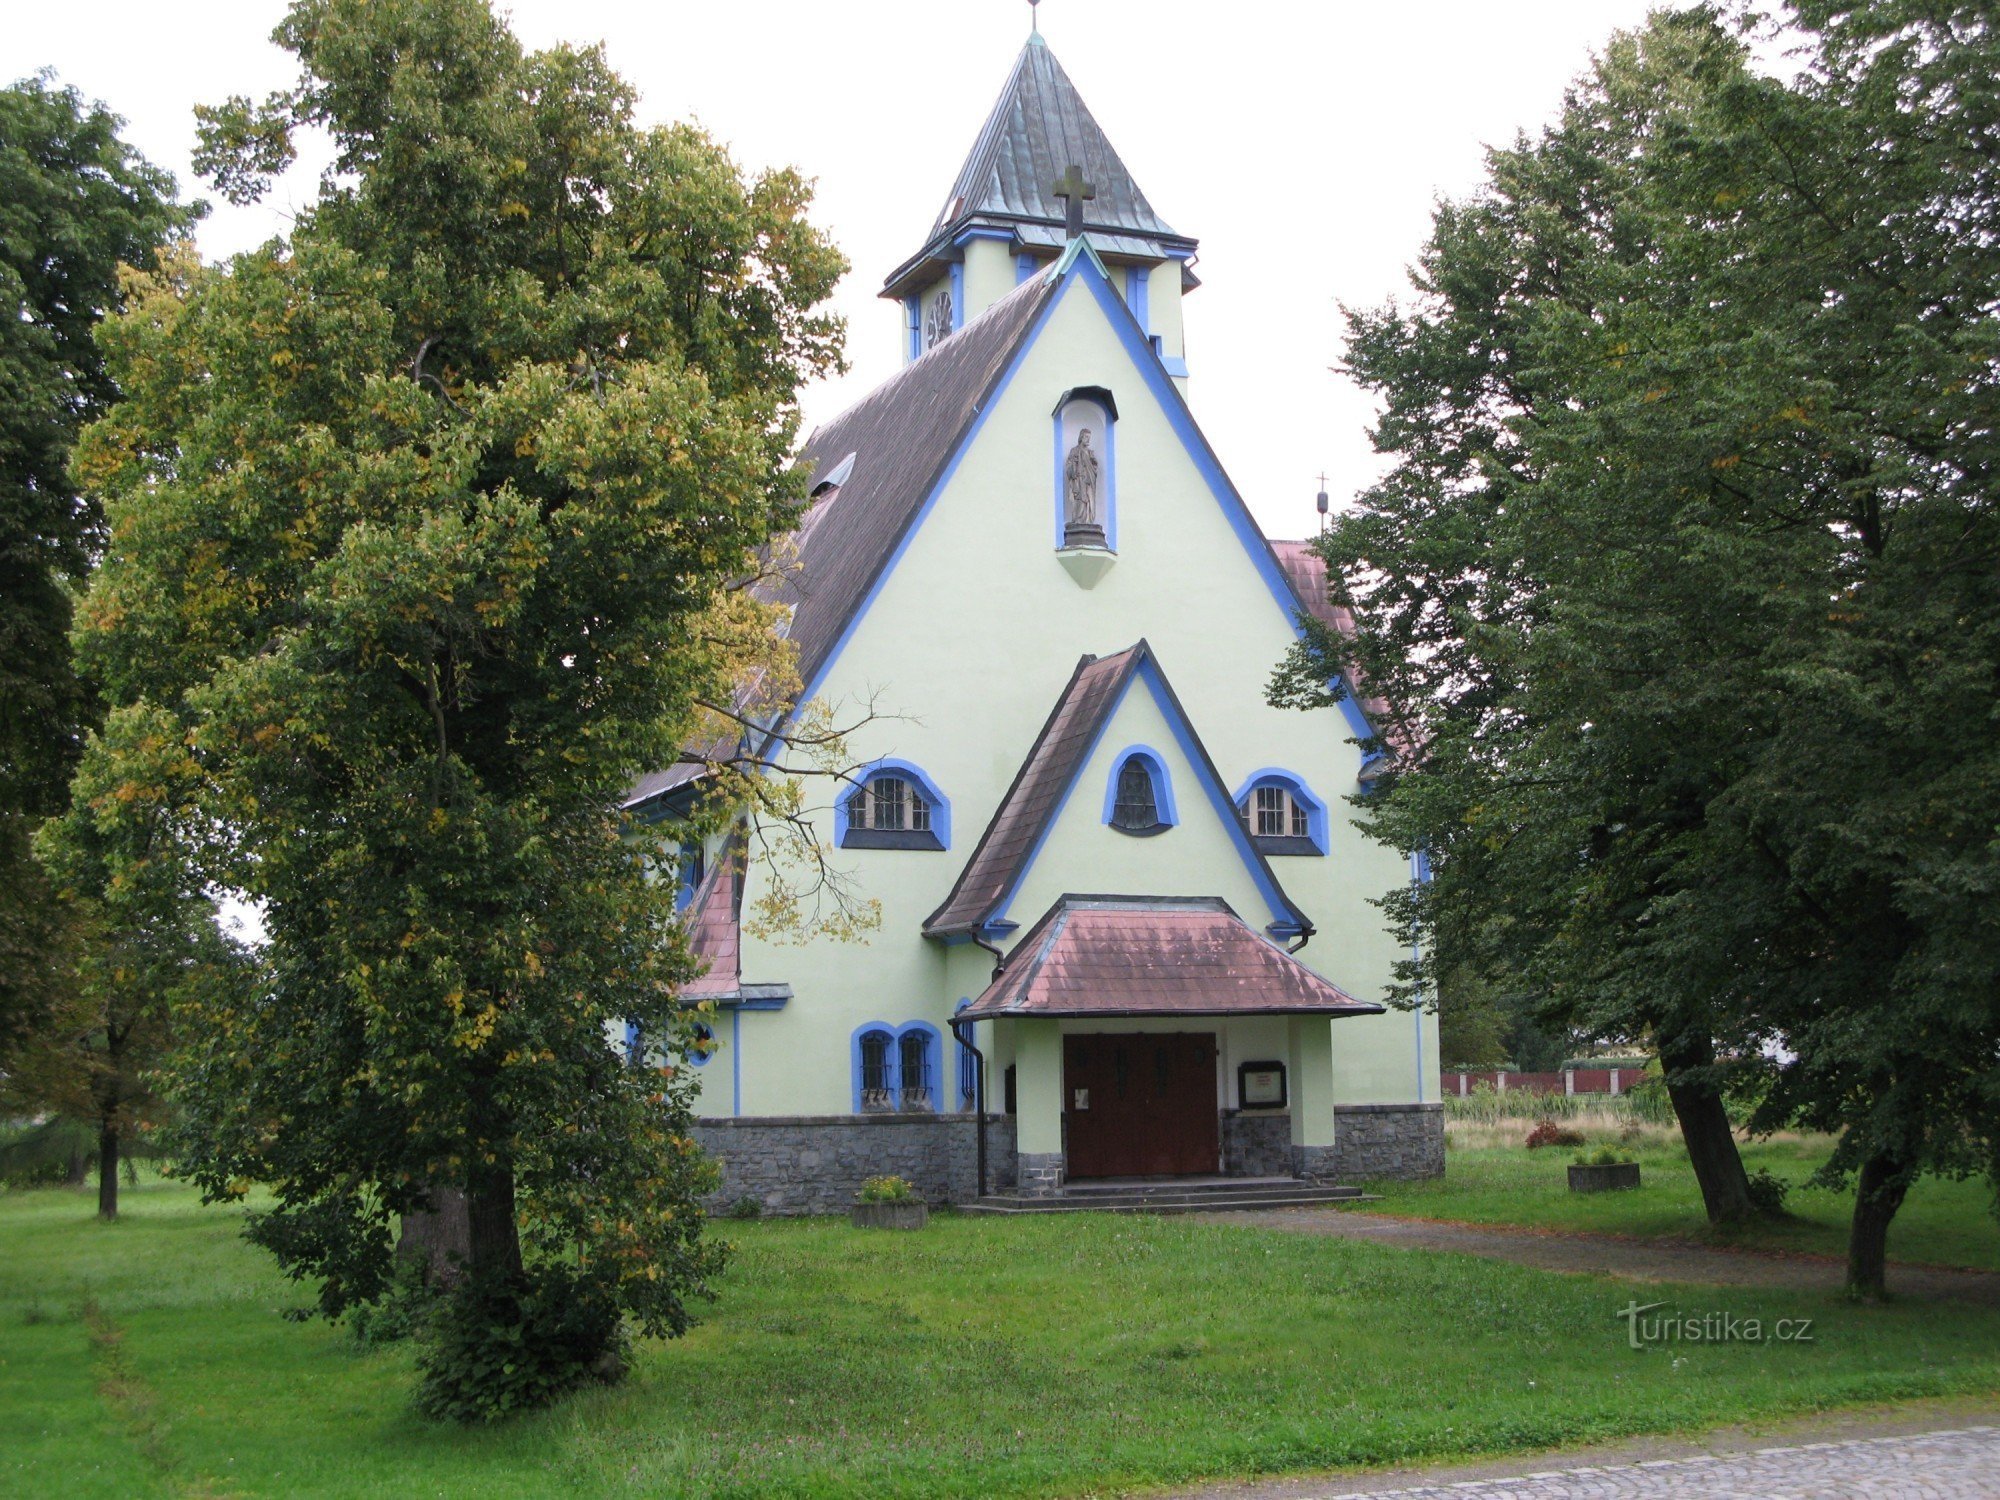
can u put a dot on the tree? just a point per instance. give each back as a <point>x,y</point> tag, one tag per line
<point>425,525</point>
<point>148,942</point>
<point>1688,559</point>
<point>1460,564</point>
<point>75,202</point>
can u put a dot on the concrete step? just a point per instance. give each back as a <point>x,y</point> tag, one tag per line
<point>1165,1200</point>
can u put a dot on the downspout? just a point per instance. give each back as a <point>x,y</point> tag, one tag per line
<point>1305,936</point>
<point>978,1092</point>
<point>979,1064</point>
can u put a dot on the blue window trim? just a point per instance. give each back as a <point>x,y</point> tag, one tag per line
<point>1291,781</point>
<point>888,766</point>
<point>913,329</point>
<point>1079,264</point>
<point>892,1065</point>
<point>968,1064</point>
<point>1138,296</point>
<point>933,1057</point>
<point>889,1065</point>
<point>1163,784</point>
<point>1282,923</point>
<point>957,295</point>
<point>1061,507</point>
<point>694,1061</point>
<point>1024,267</point>
<point>633,1054</point>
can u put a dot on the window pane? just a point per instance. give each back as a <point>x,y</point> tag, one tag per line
<point>888,809</point>
<point>920,812</point>
<point>875,1071</point>
<point>857,808</point>
<point>1271,810</point>
<point>1135,807</point>
<point>915,1057</point>
<point>1301,828</point>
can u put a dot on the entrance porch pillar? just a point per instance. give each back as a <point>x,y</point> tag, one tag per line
<point>1309,1064</point>
<point>1040,1165</point>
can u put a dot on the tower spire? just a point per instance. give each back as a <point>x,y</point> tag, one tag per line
<point>1034,17</point>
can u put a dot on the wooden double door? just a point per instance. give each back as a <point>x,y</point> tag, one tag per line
<point>1140,1104</point>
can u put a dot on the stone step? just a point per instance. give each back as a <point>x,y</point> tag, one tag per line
<point>1191,1200</point>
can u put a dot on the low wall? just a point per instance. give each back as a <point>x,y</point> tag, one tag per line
<point>1387,1140</point>
<point>814,1164</point>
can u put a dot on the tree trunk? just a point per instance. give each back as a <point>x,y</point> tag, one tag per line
<point>1879,1195</point>
<point>107,1167</point>
<point>440,1236</point>
<point>464,1230</point>
<point>1711,1142</point>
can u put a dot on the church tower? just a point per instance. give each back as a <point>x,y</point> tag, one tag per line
<point>1042,172</point>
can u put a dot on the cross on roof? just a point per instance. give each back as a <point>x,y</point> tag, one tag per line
<point>1074,191</point>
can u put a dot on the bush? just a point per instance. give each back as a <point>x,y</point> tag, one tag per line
<point>1548,1133</point>
<point>1603,1156</point>
<point>887,1190</point>
<point>494,1347</point>
<point>746,1207</point>
<point>1767,1192</point>
<point>400,1311</point>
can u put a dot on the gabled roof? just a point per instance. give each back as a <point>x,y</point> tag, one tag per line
<point>1305,569</point>
<point>1154,956</point>
<point>1038,127</point>
<point>1043,783</point>
<point>901,435</point>
<point>715,923</point>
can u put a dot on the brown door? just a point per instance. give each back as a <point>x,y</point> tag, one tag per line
<point>1139,1104</point>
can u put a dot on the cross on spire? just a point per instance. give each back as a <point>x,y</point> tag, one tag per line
<point>1074,192</point>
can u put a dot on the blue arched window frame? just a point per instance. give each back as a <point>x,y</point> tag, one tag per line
<point>891,1080</point>
<point>1165,814</point>
<point>937,836</point>
<point>968,1067</point>
<point>1315,839</point>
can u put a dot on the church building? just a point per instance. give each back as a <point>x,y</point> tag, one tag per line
<point>1126,935</point>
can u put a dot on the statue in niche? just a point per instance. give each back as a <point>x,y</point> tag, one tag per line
<point>1081,472</point>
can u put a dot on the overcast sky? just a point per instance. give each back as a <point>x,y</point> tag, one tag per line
<point>1303,144</point>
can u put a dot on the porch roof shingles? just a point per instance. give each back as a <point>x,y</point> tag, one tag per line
<point>1154,956</point>
<point>1051,765</point>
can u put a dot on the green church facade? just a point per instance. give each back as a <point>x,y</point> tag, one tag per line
<point>1087,832</point>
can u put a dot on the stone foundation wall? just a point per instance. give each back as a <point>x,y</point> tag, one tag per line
<point>1256,1143</point>
<point>1387,1140</point>
<point>814,1164</point>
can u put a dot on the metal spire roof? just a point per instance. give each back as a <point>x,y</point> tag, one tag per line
<point>1038,128</point>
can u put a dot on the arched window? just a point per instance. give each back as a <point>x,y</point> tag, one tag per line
<point>893,806</point>
<point>968,1072</point>
<point>876,1086</point>
<point>1136,807</point>
<point>1139,800</point>
<point>913,1049</point>
<point>701,1046</point>
<point>1281,815</point>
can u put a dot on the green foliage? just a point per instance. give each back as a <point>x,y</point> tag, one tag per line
<point>1603,1156</point>
<point>493,1351</point>
<point>75,201</point>
<point>1768,1191</point>
<point>1486,1105</point>
<point>887,1190</point>
<point>427,526</point>
<point>1688,573</point>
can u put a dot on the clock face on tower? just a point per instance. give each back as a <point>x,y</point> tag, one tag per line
<point>937,318</point>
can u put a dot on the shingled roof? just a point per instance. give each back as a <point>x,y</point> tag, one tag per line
<point>1154,956</point>
<point>1039,127</point>
<point>1051,767</point>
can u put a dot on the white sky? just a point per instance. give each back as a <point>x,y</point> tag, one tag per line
<point>1303,144</point>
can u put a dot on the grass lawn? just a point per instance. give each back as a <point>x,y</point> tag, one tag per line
<point>980,1357</point>
<point>1941,1223</point>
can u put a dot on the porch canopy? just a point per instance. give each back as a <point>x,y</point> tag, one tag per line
<point>1100,956</point>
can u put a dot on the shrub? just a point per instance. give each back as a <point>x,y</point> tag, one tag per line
<point>1603,1156</point>
<point>1548,1133</point>
<point>400,1311</point>
<point>887,1190</point>
<point>746,1207</point>
<point>496,1347</point>
<point>1767,1192</point>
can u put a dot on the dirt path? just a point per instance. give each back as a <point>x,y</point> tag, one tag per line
<point>1611,1255</point>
